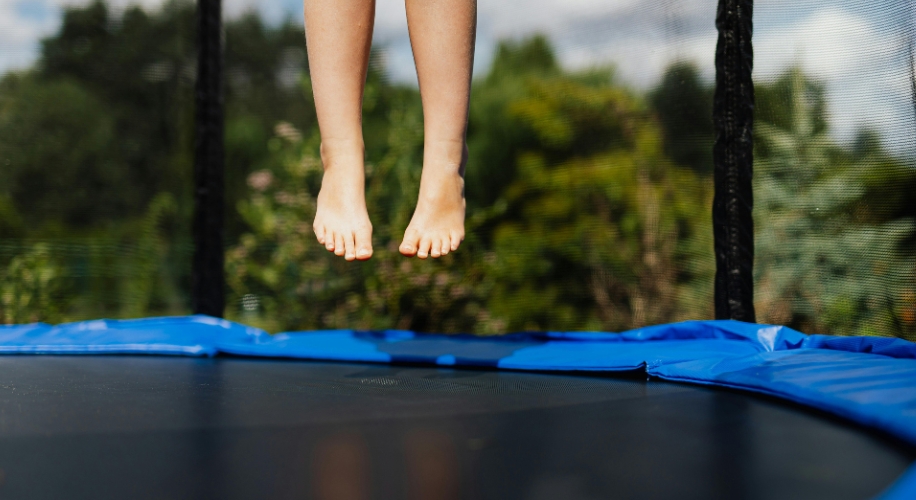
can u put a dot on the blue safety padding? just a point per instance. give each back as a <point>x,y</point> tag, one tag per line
<point>764,337</point>
<point>593,351</point>
<point>620,356</point>
<point>877,391</point>
<point>189,336</point>
<point>334,345</point>
<point>868,380</point>
<point>903,488</point>
<point>388,346</point>
<point>885,346</point>
<point>872,389</point>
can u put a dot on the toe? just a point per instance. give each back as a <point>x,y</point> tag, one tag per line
<point>435,248</point>
<point>455,240</point>
<point>339,247</point>
<point>423,250</point>
<point>411,243</point>
<point>319,233</point>
<point>329,240</point>
<point>364,244</point>
<point>446,245</point>
<point>350,246</point>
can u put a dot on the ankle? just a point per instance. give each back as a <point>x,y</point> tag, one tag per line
<point>342,154</point>
<point>451,154</point>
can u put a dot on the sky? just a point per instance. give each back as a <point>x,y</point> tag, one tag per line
<point>857,49</point>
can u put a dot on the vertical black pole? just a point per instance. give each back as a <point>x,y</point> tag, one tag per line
<point>733,114</point>
<point>207,287</point>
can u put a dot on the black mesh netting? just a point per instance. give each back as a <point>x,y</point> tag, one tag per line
<point>834,172</point>
<point>590,180</point>
<point>589,183</point>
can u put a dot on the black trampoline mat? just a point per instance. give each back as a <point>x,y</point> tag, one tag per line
<point>174,428</point>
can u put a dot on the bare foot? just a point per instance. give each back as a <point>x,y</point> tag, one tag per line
<point>437,226</point>
<point>341,220</point>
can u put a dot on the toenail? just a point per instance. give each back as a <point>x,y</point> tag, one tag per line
<point>363,252</point>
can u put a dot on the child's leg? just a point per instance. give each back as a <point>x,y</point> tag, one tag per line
<point>442,36</point>
<point>338,34</point>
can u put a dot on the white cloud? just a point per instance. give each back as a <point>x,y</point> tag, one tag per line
<point>390,19</point>
<point>861,62</point>
<point>20,31</point>
<point>640,37</point>
<point>509,18</point>
<point>830,43</point>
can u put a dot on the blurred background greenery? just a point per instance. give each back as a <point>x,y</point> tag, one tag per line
<point>589,201</point>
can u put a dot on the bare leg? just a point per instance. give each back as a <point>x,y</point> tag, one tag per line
<point>442,35</point>
<point>338,35</point>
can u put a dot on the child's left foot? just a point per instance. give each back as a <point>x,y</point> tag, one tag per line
<point>437,226</point>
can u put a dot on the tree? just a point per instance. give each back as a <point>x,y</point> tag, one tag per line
<point>683,105</point>
<point>100,131</point>
<point>56,138</point>
<point>833,225</point>
<point>577,220</point>
<point>601,230</point>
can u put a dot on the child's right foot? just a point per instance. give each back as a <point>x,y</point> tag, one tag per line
<point>437,225</point>
<point>341,220</point>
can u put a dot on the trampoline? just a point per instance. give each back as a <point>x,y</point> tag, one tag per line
<point>202,407</point>
<point>151,427</point>
<point>199,407</point>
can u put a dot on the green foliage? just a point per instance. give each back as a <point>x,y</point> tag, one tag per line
<point>56,141</point>
<point>146,273</point>
<point>99,132</point>
<point>30,287</point>
<point>832,248</point>
<point>136,72</point>
<point>684,108</point>
<point>282,279</point>
<point>585,224</point>
<point>588,202</point>
<point>600,226</point>
<point>127,271</point>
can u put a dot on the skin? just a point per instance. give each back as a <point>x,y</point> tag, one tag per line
<point>339,34</point>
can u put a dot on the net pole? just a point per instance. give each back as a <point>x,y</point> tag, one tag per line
<point>207,279</point>
<point>733,156</point>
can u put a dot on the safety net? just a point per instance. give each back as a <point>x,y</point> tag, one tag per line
<point>835,143</point>
<point>590,180</point>
<point>97,138</point>
<point>154,163</point>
